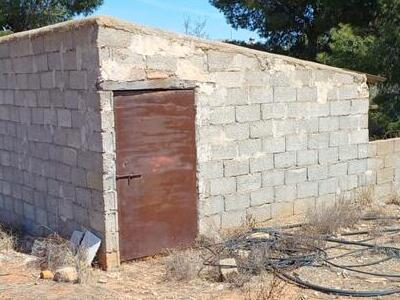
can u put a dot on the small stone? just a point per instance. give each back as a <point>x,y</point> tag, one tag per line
<point>47,275</point>
<point>102,280</point>
<point>228,268</point>
<point>66,274</point>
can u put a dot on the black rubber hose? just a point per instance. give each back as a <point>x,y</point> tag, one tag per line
<point>377,262</point>
<point>362,272</point>
<point>335,291</point>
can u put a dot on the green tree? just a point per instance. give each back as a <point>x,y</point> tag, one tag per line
<point>374,49</point>
<point>296,27</point>
<point>20,15</point>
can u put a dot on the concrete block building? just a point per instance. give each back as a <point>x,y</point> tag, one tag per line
<point>149,138</point>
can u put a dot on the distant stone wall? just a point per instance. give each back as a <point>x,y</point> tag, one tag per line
<point>275,135</point>
<point>384,168</point>
<point>50,131</point>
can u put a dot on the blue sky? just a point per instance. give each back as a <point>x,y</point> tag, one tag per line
<point>170,14</point>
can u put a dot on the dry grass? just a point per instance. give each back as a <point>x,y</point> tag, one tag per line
<point>266,288</point>
<point>55,252</point>
<point>365,197</point>
<point>182,265</point>
<point>328,220</point>
<point>7,240</point>
<point>394,200</point>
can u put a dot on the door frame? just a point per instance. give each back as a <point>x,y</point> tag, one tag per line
<point>119,88</point>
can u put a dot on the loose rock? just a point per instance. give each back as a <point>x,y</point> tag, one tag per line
<point>66,274</point>
<point>228,268</point>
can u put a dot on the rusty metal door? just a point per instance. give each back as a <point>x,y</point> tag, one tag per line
<point>156,171</point>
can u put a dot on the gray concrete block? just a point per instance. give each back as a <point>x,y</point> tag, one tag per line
<point>348,152</point>
<point>328,156</point>
<point>328,186</point>
<point>262,196</point>
<point>249,182</point>
<point>296,142</point>
<point>236,167</point>
<point>306,157</point>
<point>222,115</point>
<point>222,186</point>
<point>261,129</point>
<point>285,193</point>
<point>307,189</point>
<point>328,124</point>
<point>261,163</point>
<point>294,176</point>
<point>273,178</point>
<point>284,94</point>
<point>317,172</point>
<point>284,160</point>
<point>237,201</point>
<point>340,108</point>
<point>307,94</point>
<point>274,111</point>
<point>248,113</point>
<point>210,170</point>
<point>274,144</point>
<point>250,147</point>
<point>318,141</point>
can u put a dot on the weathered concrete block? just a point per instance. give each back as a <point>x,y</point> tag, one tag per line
<point>357,166</point>
<point>236,167</point>
<point>274,111</point>
<point>340,108</point>
<point>222,115</point>
<point>348,152</point>
<point>307,189</point>
<point>328,186</point>
<point>307,157</point>
<point>328,156</point>
<point>222,186</point>
<point>294,176</point>
<point>261,163</point>
<point>285,193</point>
<point>262,196</point>
<point>250,147</point>
<point>307,94</point>
<point>284,160</point>
<point>212,169</point>
<point>260,95</point>
<point>273,178</point>
<point>296,142</point>
<point>318,141</point>
<point>274,145</point>
<point>248,113</point>
<point>212,206</point>
<point>249,182</point>
<point>261,129</point>
<point>317,172</point>
<point>284,94</point>
<point>328,124</point>
<point>237,202</point>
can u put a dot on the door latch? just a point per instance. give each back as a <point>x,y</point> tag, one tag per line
<point>129,177</point>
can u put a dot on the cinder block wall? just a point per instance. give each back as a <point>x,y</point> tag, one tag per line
<point>384,168</point>
<point>50,130</point>
<point>275,135</point>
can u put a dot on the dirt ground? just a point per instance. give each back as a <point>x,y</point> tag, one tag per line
<point>146,279</point>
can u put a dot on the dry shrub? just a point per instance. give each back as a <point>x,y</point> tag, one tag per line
<point>266,289</point>
<point>328,220</point>
<point>56,252</point>
<point>7,240</point>
<point>365,197</point>
<point>182,265</point>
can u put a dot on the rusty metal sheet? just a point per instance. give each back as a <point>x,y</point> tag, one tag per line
<point>156,170</point>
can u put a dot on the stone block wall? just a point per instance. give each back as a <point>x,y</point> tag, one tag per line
<point>275,135</point>
<point>50,131</point>
<point>384,168</point>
